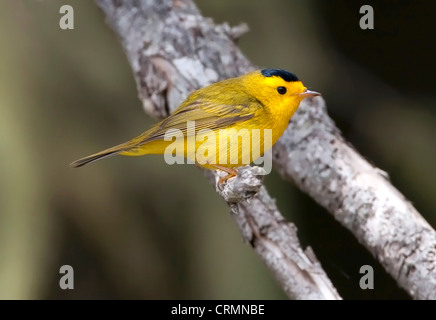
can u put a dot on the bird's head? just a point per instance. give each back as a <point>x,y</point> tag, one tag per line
<point>278,89</point>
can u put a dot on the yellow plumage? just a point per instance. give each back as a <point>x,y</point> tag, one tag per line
<point>261,100</point>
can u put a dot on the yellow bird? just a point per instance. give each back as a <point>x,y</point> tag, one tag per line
<point>250,107</point>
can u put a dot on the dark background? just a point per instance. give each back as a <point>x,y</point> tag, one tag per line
<point>138,228</point>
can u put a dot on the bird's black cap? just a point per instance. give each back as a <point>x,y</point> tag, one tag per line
<point>285,75</point>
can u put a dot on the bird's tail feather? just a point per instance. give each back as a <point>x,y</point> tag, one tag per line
<point>93,157</point>
<point>119,149</point>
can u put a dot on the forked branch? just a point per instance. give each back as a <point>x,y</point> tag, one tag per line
<point>173,50</point>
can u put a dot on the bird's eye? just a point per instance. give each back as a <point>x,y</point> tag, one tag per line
<point>281,90</point>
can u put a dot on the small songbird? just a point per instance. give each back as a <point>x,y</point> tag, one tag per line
<point>263,100</point>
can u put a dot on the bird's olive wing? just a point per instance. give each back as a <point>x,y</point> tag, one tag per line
<point>206,115</point>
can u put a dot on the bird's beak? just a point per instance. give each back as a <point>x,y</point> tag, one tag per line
<point>307,93</point>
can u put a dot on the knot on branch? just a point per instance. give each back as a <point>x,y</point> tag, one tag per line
<point>243,187</point>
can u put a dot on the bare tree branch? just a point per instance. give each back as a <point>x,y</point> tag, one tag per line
<point>173,50</point>
<point>360,197</point>
<point>273,238</point>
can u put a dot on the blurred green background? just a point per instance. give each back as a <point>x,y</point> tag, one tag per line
<point>138,228</point>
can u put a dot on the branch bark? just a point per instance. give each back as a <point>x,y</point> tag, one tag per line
<point>360,197</point>
<point>173,50</point>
